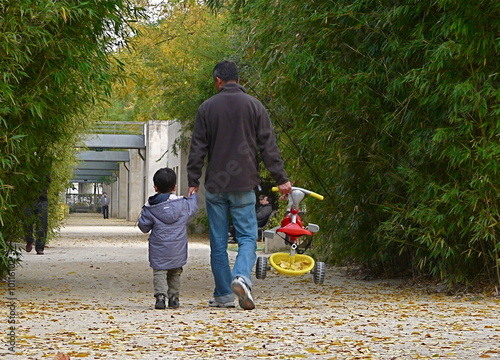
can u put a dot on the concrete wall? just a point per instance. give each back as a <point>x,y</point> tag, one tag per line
<point>115,199</point>
<point>135,178</point>
<point>177,162</point>
<point>122,191</point>
<point>136,185</point>
<point>160,138</point>
<point>157,145</point>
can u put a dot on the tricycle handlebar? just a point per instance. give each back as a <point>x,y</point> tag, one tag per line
<point>307,192</point>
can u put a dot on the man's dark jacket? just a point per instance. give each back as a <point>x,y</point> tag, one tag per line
<point>233,129</point>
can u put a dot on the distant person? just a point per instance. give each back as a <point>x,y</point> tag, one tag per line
<point>105,205</point>
<point>36,221</point>
<point>263,211</point>
<point>232,129</point>
<point>166,215</point>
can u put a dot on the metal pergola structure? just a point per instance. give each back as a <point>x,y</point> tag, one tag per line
<point>101,153</point>
<point>121,159</point>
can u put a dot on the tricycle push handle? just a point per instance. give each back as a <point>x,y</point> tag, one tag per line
<point>307,192</point>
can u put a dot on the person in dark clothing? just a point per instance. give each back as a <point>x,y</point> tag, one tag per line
<point>233,129</point>
<point>263,211</point>
<point>166,215</point>
<point>36,221</point>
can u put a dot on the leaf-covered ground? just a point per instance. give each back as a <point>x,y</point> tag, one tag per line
<point>90,296</point>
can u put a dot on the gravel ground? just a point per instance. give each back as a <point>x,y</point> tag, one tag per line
<point>90,296</point>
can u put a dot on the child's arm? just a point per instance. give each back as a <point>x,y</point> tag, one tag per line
<point>192,204</point>
<point>145,223</point>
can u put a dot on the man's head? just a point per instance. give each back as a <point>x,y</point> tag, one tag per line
<point>224,72</point>
<point>165,180</point>
<point>104,194</point>
<point>263,200</point>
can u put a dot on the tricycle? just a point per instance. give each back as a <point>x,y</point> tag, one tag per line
<point>298,237</point>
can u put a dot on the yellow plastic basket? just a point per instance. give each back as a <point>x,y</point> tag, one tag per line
<point>277,258</point>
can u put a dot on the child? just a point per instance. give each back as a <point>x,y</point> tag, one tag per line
<point>166,215</point>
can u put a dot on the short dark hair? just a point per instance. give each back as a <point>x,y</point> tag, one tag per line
<point>165,180</point>
<point>226,71</point>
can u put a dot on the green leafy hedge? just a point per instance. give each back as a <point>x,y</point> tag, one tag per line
<point>55,64</point>
<point>391,109</point>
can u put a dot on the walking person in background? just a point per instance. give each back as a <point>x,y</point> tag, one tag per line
<point>233,129</point>
<point>166,215</point>
<point>105,205</point>
<point>36,220</point>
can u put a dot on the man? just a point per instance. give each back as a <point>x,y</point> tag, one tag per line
<point>232,129</point>
<point>105,205</point>
<point>263,211</point>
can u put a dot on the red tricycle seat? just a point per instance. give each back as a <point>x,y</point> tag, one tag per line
<point>294,230</point>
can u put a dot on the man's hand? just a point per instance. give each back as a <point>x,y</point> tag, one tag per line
<point>285,188</point>
<point>193,190</point>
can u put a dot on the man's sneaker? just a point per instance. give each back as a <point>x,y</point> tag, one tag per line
<point>173,302</point>
<point>160,301</point>
<point>215,303</point>
<point>243,292</point>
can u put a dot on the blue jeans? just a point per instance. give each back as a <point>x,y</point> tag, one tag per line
<point>241,206</point>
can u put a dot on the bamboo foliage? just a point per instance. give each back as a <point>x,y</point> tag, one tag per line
<point>55,64</point>
<point>390,109</point>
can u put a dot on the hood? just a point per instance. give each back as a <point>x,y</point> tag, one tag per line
<point>158,198</point>
<point>167,212</point>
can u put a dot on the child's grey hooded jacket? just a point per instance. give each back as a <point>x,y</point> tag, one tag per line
<point>166,216</point>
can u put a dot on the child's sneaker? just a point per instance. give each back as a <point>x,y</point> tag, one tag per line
<point>244,293</point>
<point>215,303</point>
<point>160,301</point>
<point>173,302</point>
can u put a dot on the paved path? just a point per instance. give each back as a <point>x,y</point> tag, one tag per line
<point>90,296</point>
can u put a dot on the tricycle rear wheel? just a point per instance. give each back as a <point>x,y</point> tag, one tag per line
<point>261,267</point>
<point>319,272</point>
